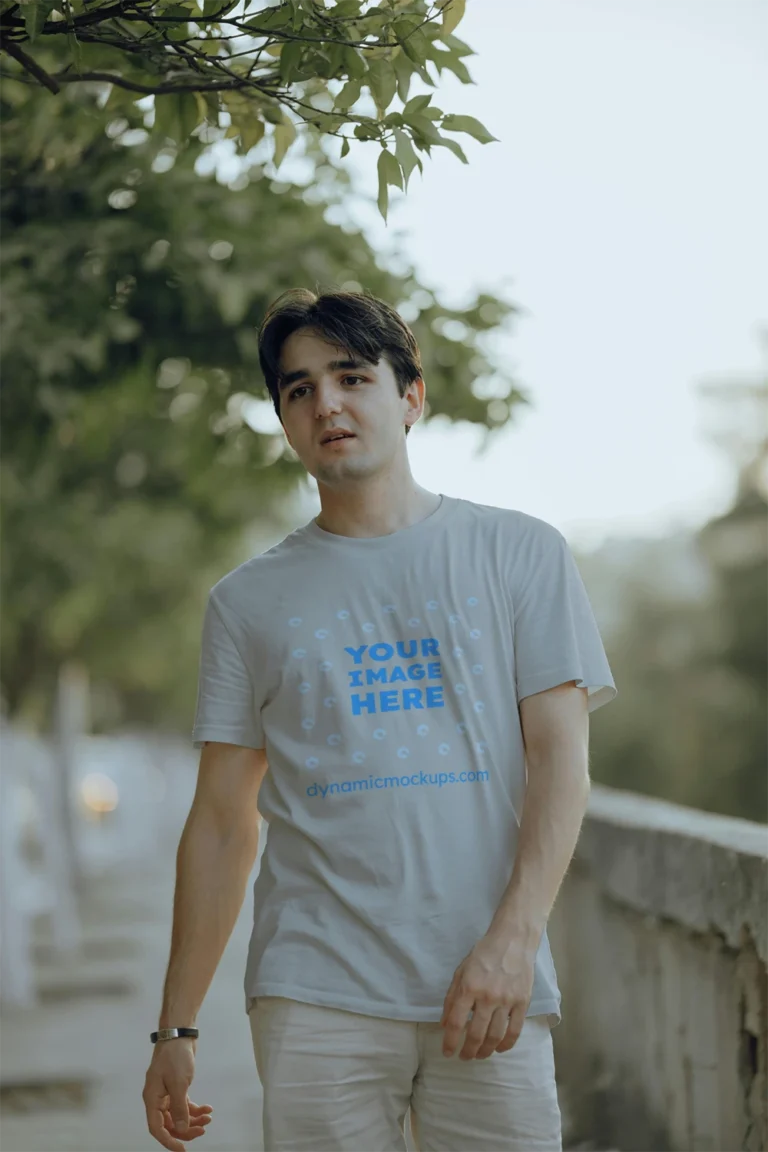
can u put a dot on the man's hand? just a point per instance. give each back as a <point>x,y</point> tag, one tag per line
<point>171,1115</point>
<point>494,983</point>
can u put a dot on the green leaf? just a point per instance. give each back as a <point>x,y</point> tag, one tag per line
<point>353,63</point>
<point>389,165</point>
<point>382,81</point>
<point>76,52</point>
<point>415,44</point>
<point>348,95</point>
<point>251,132</point>
<point>344,147</point>
<point>404,73</point>
<point>425,128</point>
<point>470,125</point>
<point>345,9</point>
<point>272,112</point>
<point>35,14</point>
<point>417,104</point>
<point>284,134</point>
<point>458,67</point>
<point>454,147</point>
<point>177,115</point>
<point>178,31</point>
<point>324,121</point>
<point>335,56</point>
<point>290,60</point>
<point>458,47</point>
<point>270,19</point>
<point>405,154</point>
<point>382,199</point>
<point>453,12</point>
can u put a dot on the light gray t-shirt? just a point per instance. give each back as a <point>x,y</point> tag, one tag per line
<point>382,676</point>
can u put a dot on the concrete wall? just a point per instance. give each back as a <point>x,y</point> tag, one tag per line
<point>660,939</point>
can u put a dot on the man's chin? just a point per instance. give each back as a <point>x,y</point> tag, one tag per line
<point>338,471</point>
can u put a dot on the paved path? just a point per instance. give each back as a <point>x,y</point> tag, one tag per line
<point>104,1038</point>
<point>97,1027</point>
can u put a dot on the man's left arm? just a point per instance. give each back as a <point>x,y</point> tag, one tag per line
<point>495,981</point>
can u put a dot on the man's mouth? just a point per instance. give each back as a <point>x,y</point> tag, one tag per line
<point>333,437</point>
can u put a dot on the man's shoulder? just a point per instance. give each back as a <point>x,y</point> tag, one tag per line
<point>260,570</point>
<point>513,522</point>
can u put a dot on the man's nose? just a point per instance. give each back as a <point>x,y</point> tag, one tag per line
<point>328,399</point>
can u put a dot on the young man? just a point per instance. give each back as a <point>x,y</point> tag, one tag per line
<point>403,685</point>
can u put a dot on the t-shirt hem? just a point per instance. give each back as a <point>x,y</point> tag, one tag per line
<point>226,736</point>
<point>427,1014</point>
<point>599,692</point>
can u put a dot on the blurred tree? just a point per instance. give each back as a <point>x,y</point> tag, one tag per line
<point>736,547</point>
<point>691,718</point>
<point>217,70</point>
<point>138,440</point>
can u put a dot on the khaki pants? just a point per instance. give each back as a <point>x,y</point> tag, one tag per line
<point>341,1082</point>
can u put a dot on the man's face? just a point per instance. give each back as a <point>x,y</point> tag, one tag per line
<point>325,392</point>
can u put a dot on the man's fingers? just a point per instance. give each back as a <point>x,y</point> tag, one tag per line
<point>199,1109</point>
<point>455,1023</point>
<point>448,1002</point>
<point>497,1030</point>
<point>178,1106</point>
<point>476,1032</point>
<point>156,1122</point>
<point>191,1132</point>
<point>514,1028</point>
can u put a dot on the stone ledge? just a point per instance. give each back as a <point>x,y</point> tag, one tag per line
<point>704,871</point>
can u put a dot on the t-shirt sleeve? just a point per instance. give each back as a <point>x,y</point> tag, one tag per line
<point>227,708</point>
<point>556,638</point>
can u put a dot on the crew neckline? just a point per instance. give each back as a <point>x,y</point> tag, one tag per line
<point>392,539</point>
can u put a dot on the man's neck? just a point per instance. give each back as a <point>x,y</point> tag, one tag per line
<point>362,516</point>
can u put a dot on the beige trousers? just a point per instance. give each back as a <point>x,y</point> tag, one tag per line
<point>337,1081</point>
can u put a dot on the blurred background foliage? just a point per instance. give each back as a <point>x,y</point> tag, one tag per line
<point>141,460</point>
<point>685,627</point>
<point>132,399</point>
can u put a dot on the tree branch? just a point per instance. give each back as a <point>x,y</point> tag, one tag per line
<point>29,65</point>
<point>146,89</point>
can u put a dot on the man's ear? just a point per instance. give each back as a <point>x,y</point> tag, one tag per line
<point>413,415</point>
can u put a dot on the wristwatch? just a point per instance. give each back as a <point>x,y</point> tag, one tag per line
<point>172,1033</point>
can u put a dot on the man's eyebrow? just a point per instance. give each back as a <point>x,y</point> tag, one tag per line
<point>331,366</point>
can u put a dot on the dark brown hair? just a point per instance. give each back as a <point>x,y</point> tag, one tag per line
<point>359,322</point>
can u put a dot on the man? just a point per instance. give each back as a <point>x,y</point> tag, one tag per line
<point>403,687</point>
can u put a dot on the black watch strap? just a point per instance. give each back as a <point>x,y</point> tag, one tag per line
<point>172,1033</point>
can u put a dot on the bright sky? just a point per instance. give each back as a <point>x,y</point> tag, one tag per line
<point>624,209</point>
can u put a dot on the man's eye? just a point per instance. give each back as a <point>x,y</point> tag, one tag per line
<point>353,378</point>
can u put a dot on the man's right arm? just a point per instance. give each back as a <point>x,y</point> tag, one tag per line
<point>216,853</point>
